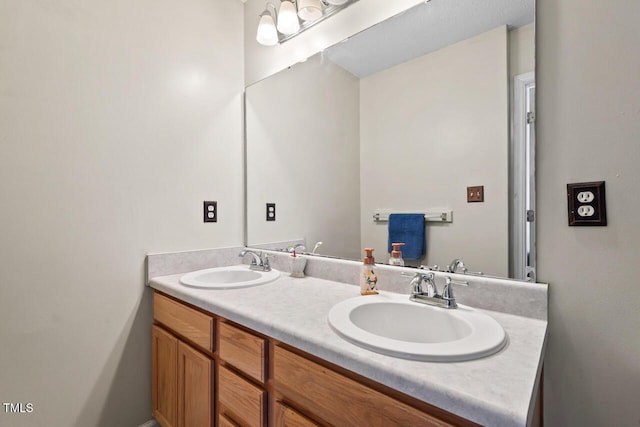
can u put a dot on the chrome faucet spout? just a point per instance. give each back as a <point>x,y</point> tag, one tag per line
<point>431,296</point>
<point>455,264</point>
<point>416,284</point>
<point>258,261</point>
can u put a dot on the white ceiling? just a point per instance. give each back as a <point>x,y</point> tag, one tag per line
<point>425,28</point>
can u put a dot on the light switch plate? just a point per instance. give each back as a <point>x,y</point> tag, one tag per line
<point>475,194</point>
<point>586,204</point>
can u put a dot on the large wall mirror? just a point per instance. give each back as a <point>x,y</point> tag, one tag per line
<point>402,118</point>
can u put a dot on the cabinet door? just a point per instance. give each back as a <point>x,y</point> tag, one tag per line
<point>195,388</point>
<point>164,377</point>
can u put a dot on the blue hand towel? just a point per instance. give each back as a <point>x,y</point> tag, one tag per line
<point>408,229</point>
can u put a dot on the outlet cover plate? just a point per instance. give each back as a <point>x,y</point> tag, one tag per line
<point>210,211</point>
<point>598,204</point>
<point>271,212</point>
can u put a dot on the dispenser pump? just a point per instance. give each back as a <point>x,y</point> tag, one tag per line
<point>369,259</point>
<point>396,255</point>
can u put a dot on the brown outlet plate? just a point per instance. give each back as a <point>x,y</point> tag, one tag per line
<point>475,194</point>
<point>586,204</point>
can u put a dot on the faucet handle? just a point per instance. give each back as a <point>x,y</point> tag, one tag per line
<point>447,293</point>
<point>458,282</point>
<point>265,263</point>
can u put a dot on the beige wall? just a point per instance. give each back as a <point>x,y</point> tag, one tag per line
<point>262,61</point>
<point>521,50</point>
<point>588,125</point>
<point>451,132</point>
<point>117,119</point>
<point>105,115</point>
<point>304,156</point>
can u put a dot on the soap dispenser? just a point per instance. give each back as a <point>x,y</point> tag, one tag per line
<point>396,255</point>
<point>368,278</point>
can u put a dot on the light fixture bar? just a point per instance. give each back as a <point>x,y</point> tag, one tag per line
<point>329,9</point>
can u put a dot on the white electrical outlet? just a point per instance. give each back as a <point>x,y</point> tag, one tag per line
<point>585,197</point>
<point>586,210</point>
<point>586,203</point>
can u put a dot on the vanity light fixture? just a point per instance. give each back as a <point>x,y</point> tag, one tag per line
<point>293,17</point>
<point>288,22</point>
<point>309,10</point>
<point>267,34</point>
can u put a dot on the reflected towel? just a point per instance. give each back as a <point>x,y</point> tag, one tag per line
<point>408,229</point>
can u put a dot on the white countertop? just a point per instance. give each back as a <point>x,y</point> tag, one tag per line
<point>498,390</point>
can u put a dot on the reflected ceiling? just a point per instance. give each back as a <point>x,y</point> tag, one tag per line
<point>420,30</point>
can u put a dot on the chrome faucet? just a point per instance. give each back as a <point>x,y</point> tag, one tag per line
<point>258,262</point>
<point>431,296</point>
<point>458,264</point>
<point>455,264</point>
<point>416,285</point>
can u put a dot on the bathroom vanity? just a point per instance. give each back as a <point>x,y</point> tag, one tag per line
<point>261,381</point>
<point>266,355</point>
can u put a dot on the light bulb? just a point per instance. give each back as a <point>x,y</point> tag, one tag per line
<point>309,10</point>
<point>288,18</point>
<point>267,34</point>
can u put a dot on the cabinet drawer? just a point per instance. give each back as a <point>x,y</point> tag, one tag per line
<point>340,400</point>
<point>191,324</point>
<point>239,400</point>
<point>287,417</point>
<point>243,350</point>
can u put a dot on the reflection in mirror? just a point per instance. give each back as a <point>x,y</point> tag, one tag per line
<point>400,118</point>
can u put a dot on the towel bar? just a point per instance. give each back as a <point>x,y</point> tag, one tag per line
<point>431,216</point>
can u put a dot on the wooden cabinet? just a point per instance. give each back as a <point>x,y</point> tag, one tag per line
<point>288,417</point>
<point>241,401</point>
<point>243,350</point>
<point>182,374</point>
<point>185,321</point>
<point>242,396</point>
<point>208,370</point>
<point>340,400</point>
<point>182,383</point>
<point>164,379</point>
<point>195,388</point>
<point>226,422</point>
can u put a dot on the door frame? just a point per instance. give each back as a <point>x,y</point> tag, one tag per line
<point>523,180</point>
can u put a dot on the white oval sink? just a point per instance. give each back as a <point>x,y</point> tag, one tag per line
<point>237,276</point>
<point>391,324</point>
